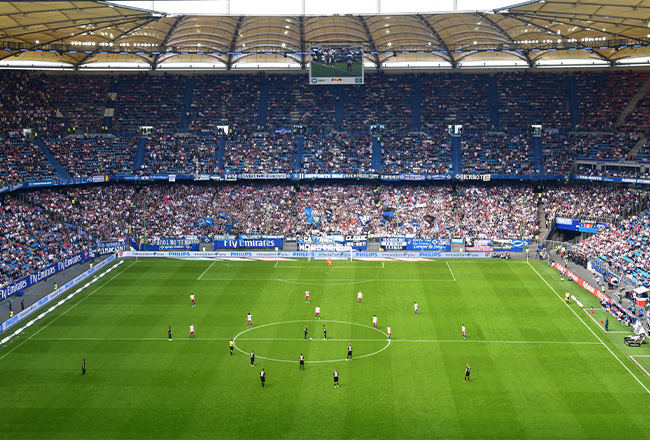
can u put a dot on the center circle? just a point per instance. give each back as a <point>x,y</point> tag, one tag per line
<point>296,339</point>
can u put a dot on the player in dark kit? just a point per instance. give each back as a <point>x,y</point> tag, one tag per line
<point>252,358</point>
<point>83,367</point>
<point>336,378</point>
<point>305,333</point>
<point>467,373</point>
<point>263,377</point>
<point>232,345</point>
<point>302,361</point>
<point>169,332</point>
<point>349,358</point>
<point>324,332</point>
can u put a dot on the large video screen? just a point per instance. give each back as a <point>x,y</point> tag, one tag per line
<point>335,64</point>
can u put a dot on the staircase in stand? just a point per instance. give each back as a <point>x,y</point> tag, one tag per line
<point>63,174</point>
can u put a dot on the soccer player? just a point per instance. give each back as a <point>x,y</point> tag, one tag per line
<point>415,307</point>
<point>263,377</point>
<point>467,373</point>
<point>329,261</point>
<point>336,378</point>
<point>607,324</point>
<point>249,321</point>
<point>359,297</point>
<point>567,297</point>
<point>169,332</point>
<point>349,357</point>
<point>305,333</point>
<point>252,358</point>
<point>232,345</point>
<point>374,322</point>
<point>324,332</point>
<point>388,331</point>
<point>307,296</point>
<point>317,312</point>
<point>192,299</point>
<point>302,362</point>
<point>462,329</point>
<point>192,335</point>
<point>83,367</point>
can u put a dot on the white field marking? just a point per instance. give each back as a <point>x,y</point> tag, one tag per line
<point>382,265</point>
<point>356,266</point>
<point>305,280</point>
<point>388,341</point>
<point>276,263</point>
<point>600,325</point>
<point>199,278</point>
<point>632,356</point>
<point>589,328</point>
<point>452,273</point>
<point>66,311</point>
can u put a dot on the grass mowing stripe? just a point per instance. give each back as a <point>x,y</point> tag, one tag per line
<point>590,329</point>
<point>66,311</point>
<point>199,278</point>
<point>635,361</point>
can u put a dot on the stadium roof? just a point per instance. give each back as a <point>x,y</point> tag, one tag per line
<point>86,35</point>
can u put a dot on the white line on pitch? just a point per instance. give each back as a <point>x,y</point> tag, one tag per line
<point>601,327</point>
<point>66,311</point>
<point>635,361</point>
<point>452,273</point>
<point>589,328</point>
<point>199,278</point>
<point>306,280</point>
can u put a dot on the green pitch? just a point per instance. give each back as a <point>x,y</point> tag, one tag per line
<point>339,70</point>
<point>540,369</point>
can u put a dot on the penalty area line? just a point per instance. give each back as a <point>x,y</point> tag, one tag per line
<point>589,328</point>
<point>450,271</point>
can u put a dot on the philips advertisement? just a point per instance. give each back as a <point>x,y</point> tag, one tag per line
<point>251,242</point>
<point>415,244</point>
<point>580,225</point>
<point>43,274</point>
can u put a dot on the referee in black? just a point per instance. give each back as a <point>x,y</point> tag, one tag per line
<point>467,373</point>
<point>263,377</point>
<point>336,378</point>
<point>83,367</point>
<point>169,332</point>
<point>324,332</point>
<point>305,333</point>
<point>252,358</point>
<point>349,358</point>
<point>302,362</point>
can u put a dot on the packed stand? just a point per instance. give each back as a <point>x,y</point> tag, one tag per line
<point>639,119</point>
<point>180,154</point>
<point>149,100</point>
<point>25,104</point>
<point>30,241</point>
<point>83,157</point>
<point>560,151</point>
<point>259,153</point>
<point>80,99</point>
<point>231,100</point>
<point>337,153</point>
<point>594,202</point>
<point>383,99</point>
<point>416,153</point>
<point>603,96</point>
<point>496,153</point>
<point>623,247</point>
<point>611,170</point>
<point>99,212</point>
<point>292,101</point>
<point>22,161</point>
<point>533,98</point>
<point>455,99</point>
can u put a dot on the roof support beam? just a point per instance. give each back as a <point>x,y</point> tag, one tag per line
<point>233,42</point>
<point>303,46</point>
<point>506,35</point>
<point>156,59</point>
<point>371,42</point>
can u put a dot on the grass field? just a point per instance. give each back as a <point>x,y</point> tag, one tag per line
<point>540,369</point>
<point>339,70</point>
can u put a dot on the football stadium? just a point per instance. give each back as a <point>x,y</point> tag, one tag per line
<point>377,219</point>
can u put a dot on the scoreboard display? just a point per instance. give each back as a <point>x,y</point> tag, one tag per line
<point>335,64</point>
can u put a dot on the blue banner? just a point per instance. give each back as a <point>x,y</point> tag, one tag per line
<point>170,244</point>
<point>111,247</point>
<point>415,244</point>
<point>509,245</point>
<point>43,274</point>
